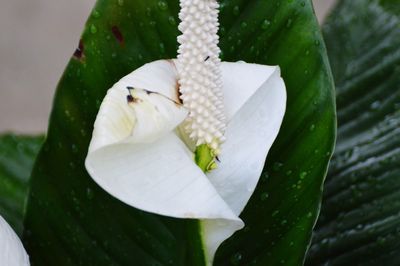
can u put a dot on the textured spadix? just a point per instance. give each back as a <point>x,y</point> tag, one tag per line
<point>158,174</point>
<point>12,253</point>
<point>200,73</point>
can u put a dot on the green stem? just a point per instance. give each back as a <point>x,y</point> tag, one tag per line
<point>205,159</point>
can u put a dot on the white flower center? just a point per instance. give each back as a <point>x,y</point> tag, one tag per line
<point>200,74</point>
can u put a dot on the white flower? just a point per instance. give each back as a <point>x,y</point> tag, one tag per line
<point>152,122</point>
<point>138,152</point>
<point>12,252</point>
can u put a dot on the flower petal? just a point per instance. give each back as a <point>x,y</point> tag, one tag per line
<point>255,115</point>
<point>158,76</point>
<point>12,252</point>
<point>143,113</point>
<point>249,136</point>
<point>240,81</point>
<point>159,177</point>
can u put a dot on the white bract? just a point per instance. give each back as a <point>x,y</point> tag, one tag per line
<point>152,121</point>
<point>12,252</point>
<point>139,154</point>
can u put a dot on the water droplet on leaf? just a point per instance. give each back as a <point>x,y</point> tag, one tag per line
<point>93,29</point>
<point>236,11</point>
<point>265,24</point>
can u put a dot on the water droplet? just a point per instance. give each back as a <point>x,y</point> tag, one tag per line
<point>317,42</point>
<point>303,4</point>
<point>265,24</point>
<point>74,148</point>
<point>236,10</point>
<point>277,166</point>
<point>98,103</point>
<point>375,105</point>
<point>72,165</point>
<point>288,172</point>
<point>264,177</point>
<point>83,132</point>
<point>289,23</point>
<point>264,196</point>
<point>171,20</point>
<point>303,175</point>
<point>120,2</point>
<point>243,25</point>
<point>309,215</point>
<point>275,213</point>
<point>162,48</point>
<point>283,222</point>
<point>93,29</point>
<point>89,193</point>
<point>162,5</point>
<point>96,14</point>
<point>222,55</point>
<point>236,258</point>
<point>381,240</point>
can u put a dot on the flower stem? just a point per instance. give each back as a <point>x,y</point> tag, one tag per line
<point>205,158</point>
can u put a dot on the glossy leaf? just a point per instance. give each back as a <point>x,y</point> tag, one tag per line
<point>17,155</point>
<point>360,218</point>
<point>84,225</point>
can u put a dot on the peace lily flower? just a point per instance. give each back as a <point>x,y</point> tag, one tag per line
<point>188,138</point>
<point>12,252</point>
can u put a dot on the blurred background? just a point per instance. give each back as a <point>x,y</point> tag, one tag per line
<point>38,37</point>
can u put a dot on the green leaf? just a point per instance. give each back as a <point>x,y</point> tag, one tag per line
<point>17,154</point>
<point>71,221</point>
<point>360,217</point>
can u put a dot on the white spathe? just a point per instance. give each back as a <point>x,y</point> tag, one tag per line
<point>139,155</point>
<point>12,252</point>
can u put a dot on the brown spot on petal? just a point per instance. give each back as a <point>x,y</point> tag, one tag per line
<point>148,92</point>
<point>178,92</point>
<point>130,99</point>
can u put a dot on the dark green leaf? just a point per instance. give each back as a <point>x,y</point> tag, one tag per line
<point>17,154</point>
<point>72,221</point>
<point>360,217</point>
<point>282,212</point>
